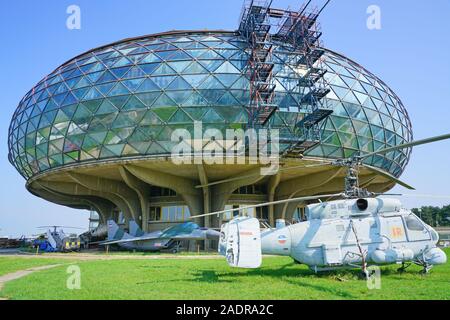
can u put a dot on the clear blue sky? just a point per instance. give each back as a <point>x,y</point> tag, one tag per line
<point>410,53</point>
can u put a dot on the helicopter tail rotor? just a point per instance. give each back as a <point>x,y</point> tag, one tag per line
<point>240,243</point>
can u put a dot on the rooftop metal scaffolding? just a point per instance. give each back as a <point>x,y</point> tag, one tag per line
<point>301,31</point>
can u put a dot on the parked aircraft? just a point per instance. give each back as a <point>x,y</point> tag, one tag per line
<point>168,239</point>
<point>359,230</point>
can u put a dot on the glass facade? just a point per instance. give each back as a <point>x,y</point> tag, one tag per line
<point>169,213</point>
<point>126,99</point>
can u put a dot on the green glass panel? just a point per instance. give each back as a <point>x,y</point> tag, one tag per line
<point>151,132</point>
<point>119,89</point>
<point>120,101</point>
<point>164,113</point>
<point>242,83</point>
<point>155,148</point>
<point>123,62</point>
<point>179,66</point>
<point>84,82</point>
<point>129,150</point>
<point>197,53</point>
<point>149,68</point>
<point>82,113</point>
<point>165,134</point>
<point>164,69</point>
<point>211,65</point>
<point>227,100</point>
<point>227,67</point>
<point>127,119</point>
<point>196,45</point>
<point>107,77</point>
<point>137,136</point>
<point>212,96</point>
<point>179,96</point>
<point>195,113</point>
<point>105,88</point>
<point>195,80</point>
<point>228,79</point>
<point>79,94</point>
<point>93,77</point>
<point>148,98</point>
<point>194,67</point>
<point>165,55</point>
<point>210,54</point>
<point>123,133</point>
<point>162,101</point>
<point>135,72</point>
<point>56,160</point>
<point>150,58</point>
<point>148,85</point>
<point>211,83</point>
<point>212,117</point>
<point>93,94</point>
<point>106,107</point>
<point>120,72</point>
<point>163,82</point>
<point>134,104</point>
<point>132,85</point>
<point>179,117</point>
<point>70,99</point>
<point>93,105</point>
<point>230,114</point>
<point>179,84</point>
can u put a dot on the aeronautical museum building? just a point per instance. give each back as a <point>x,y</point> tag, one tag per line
<point>98,132</point>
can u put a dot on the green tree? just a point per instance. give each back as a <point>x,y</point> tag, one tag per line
<point>434,216</point>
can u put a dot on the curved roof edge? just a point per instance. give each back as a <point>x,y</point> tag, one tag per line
<point>151,35</point>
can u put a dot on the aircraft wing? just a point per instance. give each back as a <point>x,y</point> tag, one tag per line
<point>199,234</point>
<point>133,239</point>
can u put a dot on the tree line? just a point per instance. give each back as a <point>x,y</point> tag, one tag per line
<point>434,216</point>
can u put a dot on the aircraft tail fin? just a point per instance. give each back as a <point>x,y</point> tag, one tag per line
<point>134,229</point>
<point>240,243</point>
<point>114,231</point>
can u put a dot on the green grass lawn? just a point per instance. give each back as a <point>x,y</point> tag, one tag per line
<point>10,265</point>
<point>278,278</point>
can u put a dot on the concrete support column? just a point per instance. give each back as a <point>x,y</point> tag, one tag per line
<point>143,192</point>
<point>104,208</point>
<point>182,186</point>
<point>221,193</point>
<point>129,202</point>
<point>203,177</point>
<point>274,181</point>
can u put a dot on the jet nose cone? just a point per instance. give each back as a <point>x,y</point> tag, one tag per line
<point>435,256</point>
<point>212,234</point>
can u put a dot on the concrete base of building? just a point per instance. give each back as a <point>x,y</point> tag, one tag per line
<point>109,187</point>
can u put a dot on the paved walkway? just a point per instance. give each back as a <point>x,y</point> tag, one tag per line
<point>23,273</point>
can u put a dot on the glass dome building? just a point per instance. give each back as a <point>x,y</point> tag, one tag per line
<point>96,132</point>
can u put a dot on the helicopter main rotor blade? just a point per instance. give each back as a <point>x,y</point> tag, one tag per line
<point>407,145</point>
<point>256,174</point>
<point>430,196</point>
<point>389,176</point>
<point>62,227</point>
<point>270,203</point>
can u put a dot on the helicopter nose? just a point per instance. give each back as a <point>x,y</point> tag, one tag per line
<point>435,256</point>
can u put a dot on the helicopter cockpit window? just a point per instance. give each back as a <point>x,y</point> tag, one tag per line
<point>414,224</point>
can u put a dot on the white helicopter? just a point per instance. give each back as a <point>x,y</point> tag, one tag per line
<point>357,231</point>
